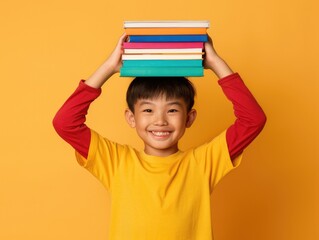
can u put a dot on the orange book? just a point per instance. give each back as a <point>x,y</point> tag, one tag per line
<point>165,31</point>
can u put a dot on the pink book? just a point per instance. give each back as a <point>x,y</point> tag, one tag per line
<point>165,45</point>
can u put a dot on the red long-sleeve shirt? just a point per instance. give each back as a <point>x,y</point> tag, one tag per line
<point>69,122</point>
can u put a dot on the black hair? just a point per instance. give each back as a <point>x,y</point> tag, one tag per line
<point>151,87</point>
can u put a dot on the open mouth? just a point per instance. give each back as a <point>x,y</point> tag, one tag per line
<point>160,134</point>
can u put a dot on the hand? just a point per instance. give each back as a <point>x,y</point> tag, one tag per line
<point>214,62</point>
<point>210,54</point>
<point>111,66</point>
<point>115,59</point>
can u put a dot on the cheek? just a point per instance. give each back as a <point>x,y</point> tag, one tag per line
<point>141,122</point>
<point>179,122</point>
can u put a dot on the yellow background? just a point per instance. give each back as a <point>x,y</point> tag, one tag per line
<point>48,46</point>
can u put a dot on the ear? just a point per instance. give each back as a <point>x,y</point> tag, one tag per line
<point>191,116</point>
<point>130,118</point>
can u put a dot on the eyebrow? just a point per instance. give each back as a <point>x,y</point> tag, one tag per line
<point>145,102</point>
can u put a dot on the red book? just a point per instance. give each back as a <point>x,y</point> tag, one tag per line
<point>164,45</point>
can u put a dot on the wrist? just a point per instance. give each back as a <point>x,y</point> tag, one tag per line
<point>108,69</point>
<point>219,67</point>
<point>101,75</point>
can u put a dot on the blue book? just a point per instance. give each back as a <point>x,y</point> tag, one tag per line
<point>161,72</point>
<point>169,38</point>
<point>162,63</point>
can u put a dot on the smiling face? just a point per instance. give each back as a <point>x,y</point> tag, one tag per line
<point>160,122</point>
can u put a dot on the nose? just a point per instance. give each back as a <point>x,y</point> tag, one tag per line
<point>160,120</point>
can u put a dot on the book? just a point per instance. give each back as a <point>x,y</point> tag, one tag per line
<point>162,63</point>
<point>169,38</point>
<point>160,56</point>
<point>137,45</point>
<point>163,50</point>
<point>165,31</point>
<point>166,24</point>
<point>161,72</point>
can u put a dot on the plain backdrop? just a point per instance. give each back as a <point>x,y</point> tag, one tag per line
<point>47,47</point>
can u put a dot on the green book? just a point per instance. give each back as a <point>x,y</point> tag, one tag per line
<point>162,63</point>
<point>161,71</point>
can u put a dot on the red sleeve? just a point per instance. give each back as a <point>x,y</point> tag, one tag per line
<point>69,121</point>
<point>250,118</point>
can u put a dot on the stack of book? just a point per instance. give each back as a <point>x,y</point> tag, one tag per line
<point>164,48</point>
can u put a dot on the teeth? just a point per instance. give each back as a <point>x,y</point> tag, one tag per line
<point>160,133</point>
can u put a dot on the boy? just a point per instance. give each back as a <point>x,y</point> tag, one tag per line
<point>161,192</point>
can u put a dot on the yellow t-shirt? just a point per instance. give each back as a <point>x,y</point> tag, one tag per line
<point>159,198</point>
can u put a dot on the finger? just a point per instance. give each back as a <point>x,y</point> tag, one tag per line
<point>123,37</point>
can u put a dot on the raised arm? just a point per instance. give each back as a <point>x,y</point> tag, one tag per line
<point>69,121</point>
<point>250,118</point>
<point>214,62</point>
<point>112,65</point>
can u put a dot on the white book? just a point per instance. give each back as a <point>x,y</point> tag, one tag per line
<point>163,50</point>
<point>164,24</point>
<point>160,56</point>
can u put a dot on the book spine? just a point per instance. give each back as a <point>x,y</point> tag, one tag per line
<point>169,38</point>
<point>162,63</point>
<point>155,45</point>
<point>161,72</point>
